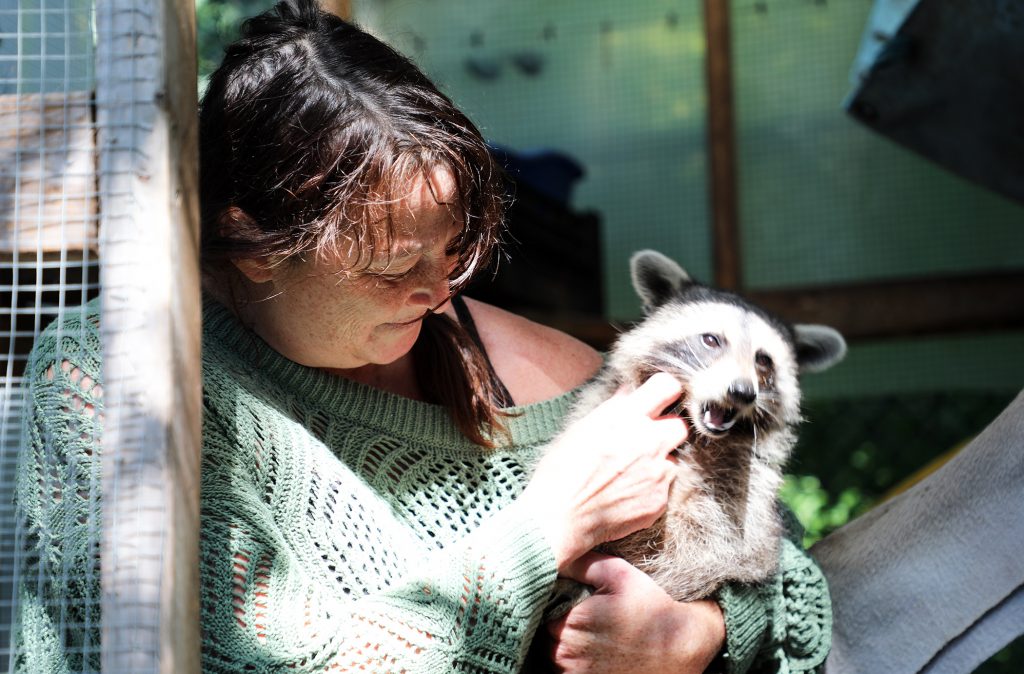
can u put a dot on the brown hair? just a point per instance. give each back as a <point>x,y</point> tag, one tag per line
<point>305,129</point>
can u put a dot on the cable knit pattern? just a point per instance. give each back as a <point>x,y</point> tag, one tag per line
<point>791,615</point>
<point>57,493</point>
<point>343,528</point>
<point>803,619</point>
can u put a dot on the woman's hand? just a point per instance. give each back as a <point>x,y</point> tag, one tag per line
<point>608,474</point>
<point>629,624</point>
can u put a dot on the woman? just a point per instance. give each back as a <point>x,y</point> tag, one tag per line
<point>370,498</point>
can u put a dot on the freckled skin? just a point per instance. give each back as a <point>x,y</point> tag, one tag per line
<point>361,323</point>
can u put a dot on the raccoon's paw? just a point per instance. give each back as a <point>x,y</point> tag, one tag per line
<point>564,596</point>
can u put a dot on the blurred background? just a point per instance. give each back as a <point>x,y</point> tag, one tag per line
<point>610,117</point>
<point>601,111</point>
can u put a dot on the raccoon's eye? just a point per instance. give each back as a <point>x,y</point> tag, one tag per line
<point>710,341</point>
<point>763,360</point>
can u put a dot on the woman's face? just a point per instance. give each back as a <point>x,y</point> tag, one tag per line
<point>319,314</point>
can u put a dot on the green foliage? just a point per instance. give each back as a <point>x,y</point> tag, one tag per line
<point>819,512</point>
<point>853,452</point>
<point>217,24</point>
<point>1010,660</point>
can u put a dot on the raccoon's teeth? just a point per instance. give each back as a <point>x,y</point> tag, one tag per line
<point>719,419</point>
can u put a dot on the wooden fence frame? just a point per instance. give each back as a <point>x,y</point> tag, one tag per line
<point>149,245</point>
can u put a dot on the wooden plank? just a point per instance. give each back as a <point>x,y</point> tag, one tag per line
<point>867,311</point>
<point>146,103</point>
<point>722,175</point>
<point>179,620</point>
<point>905,308</point>
<point>47,172</point>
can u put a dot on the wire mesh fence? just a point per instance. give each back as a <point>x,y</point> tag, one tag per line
<point>87,199</point>
<point>48,228</point>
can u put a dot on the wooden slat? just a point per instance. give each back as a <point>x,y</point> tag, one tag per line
<point>150,332</point>
<point>179,621</point>
<point>924,306</point>
<point>722,174</point>
<point>866,311</point>
<point>47,172</point>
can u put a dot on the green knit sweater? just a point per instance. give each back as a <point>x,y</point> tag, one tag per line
<point>342,528</point>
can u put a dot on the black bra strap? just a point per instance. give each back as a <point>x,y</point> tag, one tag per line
<point>502,397</point>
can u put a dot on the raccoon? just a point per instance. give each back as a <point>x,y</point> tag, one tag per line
<point>738,365</point>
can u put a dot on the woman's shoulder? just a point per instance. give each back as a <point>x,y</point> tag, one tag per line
<point>73,338</point>
<point>534,361</point>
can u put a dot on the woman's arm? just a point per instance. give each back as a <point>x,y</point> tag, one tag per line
<point>271,604</point>
<point>630,624</point>
<point>474,604</point>
<point>58,504</point>
<point>533,361</point>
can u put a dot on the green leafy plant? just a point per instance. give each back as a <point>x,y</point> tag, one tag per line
<point>217,23</point>
<point>818,511</point>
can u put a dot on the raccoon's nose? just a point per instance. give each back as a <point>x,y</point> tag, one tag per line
<point>741,392</point>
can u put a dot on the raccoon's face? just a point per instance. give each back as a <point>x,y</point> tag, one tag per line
<point>739,371</point>
<point>737,363</point>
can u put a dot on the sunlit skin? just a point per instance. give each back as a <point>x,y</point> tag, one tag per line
<point>356,319</point>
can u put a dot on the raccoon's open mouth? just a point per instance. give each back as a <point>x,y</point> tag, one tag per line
<point>716,418</point>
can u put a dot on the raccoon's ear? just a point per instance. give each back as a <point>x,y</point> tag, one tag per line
<point>818,347</point>
<point>656,278</point>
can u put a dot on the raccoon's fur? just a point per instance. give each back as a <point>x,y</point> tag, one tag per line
<point>738,365</point>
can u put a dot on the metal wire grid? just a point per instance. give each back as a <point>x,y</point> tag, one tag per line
<point>48,225</point>
<point>75,135</point>
<point>617,86</point>
<point>824,199</point>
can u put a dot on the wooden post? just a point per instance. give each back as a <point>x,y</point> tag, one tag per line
<point>150,327</point>
<point>179,599</point>
<point>724,197</point>
<point>342,8</point>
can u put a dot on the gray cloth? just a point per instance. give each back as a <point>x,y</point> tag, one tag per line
<point>933,580</point>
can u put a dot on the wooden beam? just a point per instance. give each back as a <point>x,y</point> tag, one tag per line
<point>150,334</point>
<point>342,8</point>
<point>869,311</point>
<point>906,308</point>
<point>723,174</point>
<point>180,642</point>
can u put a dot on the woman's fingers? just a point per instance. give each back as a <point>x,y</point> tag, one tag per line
<point>655,394</point>
<point>673,432</point>
<point>609,473</point>
<point>650,400</point>
<point>598,570</point>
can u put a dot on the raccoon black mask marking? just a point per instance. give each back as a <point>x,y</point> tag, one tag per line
<point>738,365</point>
